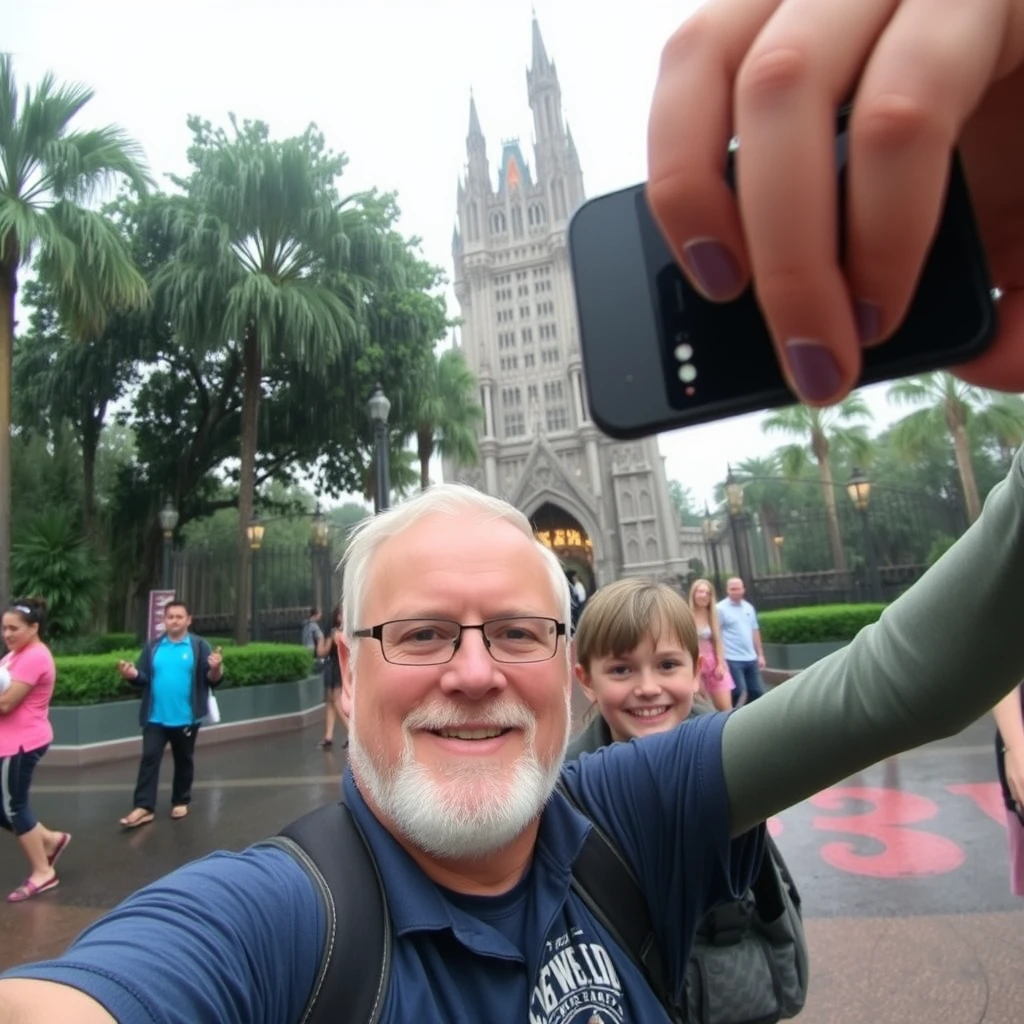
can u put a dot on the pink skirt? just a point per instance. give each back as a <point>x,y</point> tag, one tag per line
<point>1015,832</point>
<point>709,682</point>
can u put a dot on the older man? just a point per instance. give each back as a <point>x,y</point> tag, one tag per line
<point>457,687</point>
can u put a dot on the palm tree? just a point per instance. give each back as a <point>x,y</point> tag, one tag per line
<point>949,406</point>
<point>270,261</point>
<point>446,413</point>
<point>49,173</point>
<point>821,430</point>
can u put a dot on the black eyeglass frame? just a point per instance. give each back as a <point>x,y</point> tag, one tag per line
<point>377,633</point>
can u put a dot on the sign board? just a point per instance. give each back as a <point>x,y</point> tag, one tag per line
<point>158,601</point>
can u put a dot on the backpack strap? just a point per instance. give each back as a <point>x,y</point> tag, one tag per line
<point>356,963</point>
<point>606,884</point>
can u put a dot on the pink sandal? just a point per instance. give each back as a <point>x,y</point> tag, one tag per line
<point>65,838</point>
<point>28,889</point>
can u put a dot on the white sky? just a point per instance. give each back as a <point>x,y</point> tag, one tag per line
<point>388,83</point>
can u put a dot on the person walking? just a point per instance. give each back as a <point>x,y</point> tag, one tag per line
<point>741,638</point>
<point>327,649</point>
<point>27,677</point>
<point>175,673</point>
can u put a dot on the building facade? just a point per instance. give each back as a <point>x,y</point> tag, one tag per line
<point>602,505</point>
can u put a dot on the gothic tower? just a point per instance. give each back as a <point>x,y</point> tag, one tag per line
<point>602,505</point>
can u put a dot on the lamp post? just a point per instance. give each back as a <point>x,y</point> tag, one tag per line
<point>254,531</point>
<point>378,407</point>
<point>734,501</point>
<point>319,538</point>
<point>859,489</point>
<point>168,524</point>
<point>711,537</point>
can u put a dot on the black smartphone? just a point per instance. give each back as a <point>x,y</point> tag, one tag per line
<point>658,356</point>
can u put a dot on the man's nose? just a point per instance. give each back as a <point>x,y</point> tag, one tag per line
<point>472,670</point>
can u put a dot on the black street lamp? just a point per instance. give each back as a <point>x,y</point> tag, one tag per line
<point>378,407</point>
<point>859,489</point>
<point>711,529</point>
<point>737,523</point>
<point>168,524</point>
<point>254,531</point>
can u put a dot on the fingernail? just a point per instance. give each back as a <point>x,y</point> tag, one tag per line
<point>712,265</point>
<point>813,369</point>
<point>869,321</point>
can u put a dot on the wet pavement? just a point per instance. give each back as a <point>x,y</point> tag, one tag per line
<point>902,869</point>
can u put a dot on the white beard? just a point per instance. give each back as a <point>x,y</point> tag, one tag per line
<point>473,810</point>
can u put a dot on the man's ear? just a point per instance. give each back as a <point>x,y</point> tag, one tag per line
<point>346,655</point>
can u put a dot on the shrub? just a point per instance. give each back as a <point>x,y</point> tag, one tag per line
<point>94,679</point>
<point>99,643</point>
<point>817,623</point>
<point>51,559</point>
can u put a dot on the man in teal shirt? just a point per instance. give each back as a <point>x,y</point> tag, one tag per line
<point>175,673</point>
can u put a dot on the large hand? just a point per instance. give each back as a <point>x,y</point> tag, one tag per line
<point>215,660</point>
<point>128,670</point>
<point>925,75</point>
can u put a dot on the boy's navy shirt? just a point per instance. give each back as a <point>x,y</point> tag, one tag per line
<point>239,936</point>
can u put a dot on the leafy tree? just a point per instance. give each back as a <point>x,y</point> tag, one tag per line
<point>49,172</point>
<point>684,503</point>
<point>820,431</point>
<point>446,413</point>
<point>58,379</point>
<point>270,261</point>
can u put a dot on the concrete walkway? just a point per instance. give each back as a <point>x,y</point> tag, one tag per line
<point>902,869</point>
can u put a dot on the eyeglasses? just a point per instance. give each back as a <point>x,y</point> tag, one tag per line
<point>513,640</point>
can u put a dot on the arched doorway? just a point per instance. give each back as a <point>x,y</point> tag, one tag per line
<point>564,534</point>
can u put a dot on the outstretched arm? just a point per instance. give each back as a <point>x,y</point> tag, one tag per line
<point>940,657</point>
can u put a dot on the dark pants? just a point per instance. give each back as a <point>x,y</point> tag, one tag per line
<point>15,778</point>
<point>183,745</point>
<point>747,677</point>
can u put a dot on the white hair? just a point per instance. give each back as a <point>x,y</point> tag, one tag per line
<point>447,499</point>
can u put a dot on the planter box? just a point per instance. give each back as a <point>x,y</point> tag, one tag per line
<point>112,730</point>
<point>794,657</point>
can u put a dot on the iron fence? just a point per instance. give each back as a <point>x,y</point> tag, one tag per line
<point>794,551</point>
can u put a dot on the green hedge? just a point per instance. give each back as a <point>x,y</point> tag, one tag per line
<point>817,623</point>
<point>94,679</point>
<point>102,643</point>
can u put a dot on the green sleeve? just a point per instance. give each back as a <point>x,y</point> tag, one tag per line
<point>941,656</point>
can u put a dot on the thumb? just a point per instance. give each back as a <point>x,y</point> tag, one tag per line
<point>216,650</point>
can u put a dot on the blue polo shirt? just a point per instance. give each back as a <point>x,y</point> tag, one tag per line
<point>174,666</point>
<point>244,931</point>
<point>737,621</point>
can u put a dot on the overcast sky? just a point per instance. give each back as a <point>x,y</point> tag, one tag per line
<point>388,83</point>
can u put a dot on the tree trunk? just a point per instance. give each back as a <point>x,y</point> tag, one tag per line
<point>251,389</point>
<point>962,450</point>
<point>828,492</point>
<point>8,290</point>
<point>424,446</point>
<point>90,444</point>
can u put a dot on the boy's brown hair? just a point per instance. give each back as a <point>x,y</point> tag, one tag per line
<point>618,617</point>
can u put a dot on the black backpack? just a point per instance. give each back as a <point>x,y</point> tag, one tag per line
<point>352,980</point>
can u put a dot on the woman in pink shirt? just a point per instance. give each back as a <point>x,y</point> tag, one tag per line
<point>27,675</point>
